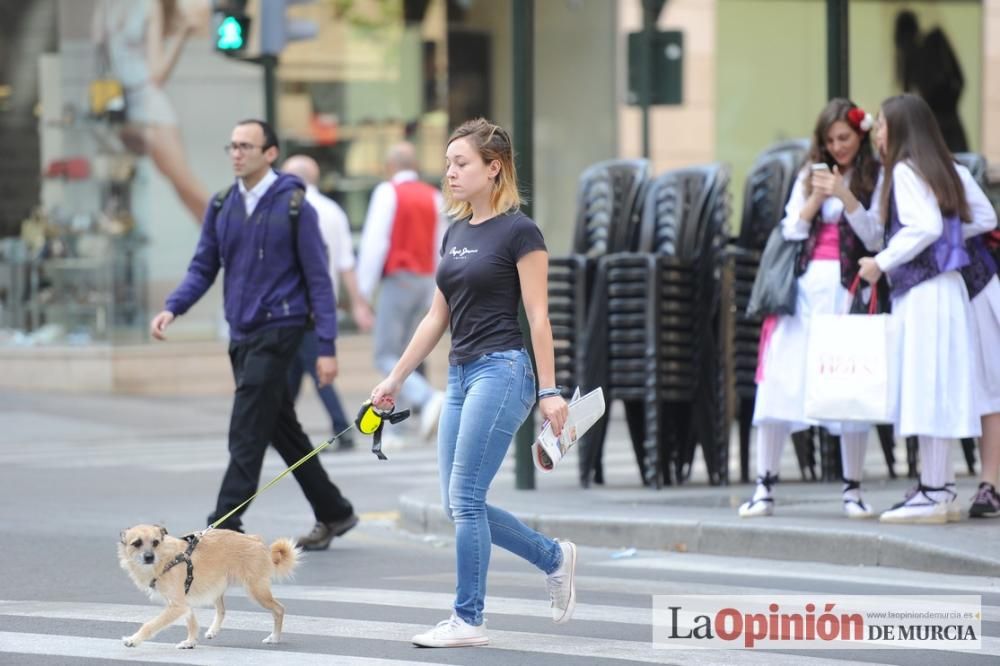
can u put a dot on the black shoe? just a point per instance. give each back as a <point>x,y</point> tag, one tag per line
<point>323,533</point>
<point>986,504</point>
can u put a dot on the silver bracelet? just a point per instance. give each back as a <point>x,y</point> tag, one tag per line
<point>549,392</point>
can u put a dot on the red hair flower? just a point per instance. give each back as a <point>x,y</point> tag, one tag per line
<point>859,120</point>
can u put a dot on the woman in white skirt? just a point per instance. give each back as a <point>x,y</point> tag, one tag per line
<point>828,210</point>
<point>926,216</point>
<point>984,290</point>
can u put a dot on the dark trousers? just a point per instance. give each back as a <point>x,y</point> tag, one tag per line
<point>305,361</point>
<point>263,413</point>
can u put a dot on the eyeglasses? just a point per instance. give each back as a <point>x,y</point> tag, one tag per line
<point>231,148</point>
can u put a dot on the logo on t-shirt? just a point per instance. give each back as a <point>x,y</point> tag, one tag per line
<point>461,254</point>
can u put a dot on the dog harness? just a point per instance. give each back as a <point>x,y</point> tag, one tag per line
<point>185,557</point>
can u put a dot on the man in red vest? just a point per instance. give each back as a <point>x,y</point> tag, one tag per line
<point>399,254</point>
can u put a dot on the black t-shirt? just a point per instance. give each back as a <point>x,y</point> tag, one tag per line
<point>478,277</point>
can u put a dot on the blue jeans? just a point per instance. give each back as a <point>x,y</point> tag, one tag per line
<point>305,361</point>
<point>487,400</point>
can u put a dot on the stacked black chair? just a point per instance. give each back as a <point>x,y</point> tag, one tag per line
<point>607,212</point>
<point>655,341</point>
<point>767,188</point>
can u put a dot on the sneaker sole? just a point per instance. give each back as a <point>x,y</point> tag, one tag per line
<point>571,606</point>
<point>984,514</point>
<point>938,519</point>
<point>465,642</point>
<point>860,516</point>
<point>756,514</point>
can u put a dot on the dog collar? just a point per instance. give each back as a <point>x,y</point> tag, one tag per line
<point>185,557</point>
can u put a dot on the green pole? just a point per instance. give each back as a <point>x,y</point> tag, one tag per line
<point>270,64</point>
<point>649,13</point>
<point>523,31</point>
<point>837,56</point>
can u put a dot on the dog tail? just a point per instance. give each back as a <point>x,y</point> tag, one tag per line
<point>284,557</point>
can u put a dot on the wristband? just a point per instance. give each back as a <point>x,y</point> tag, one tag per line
<point>549,392</point>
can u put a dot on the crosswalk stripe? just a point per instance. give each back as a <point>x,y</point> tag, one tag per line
<point>162,653</point>
<point>518,641</point>
<point>443,601</point>
<point>882,576</point>
<point>647,588</point>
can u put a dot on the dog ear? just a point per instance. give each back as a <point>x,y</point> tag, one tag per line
<point>163,530</point>
<point>121,536</point>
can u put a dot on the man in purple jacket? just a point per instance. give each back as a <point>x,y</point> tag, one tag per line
<point>275,276</point>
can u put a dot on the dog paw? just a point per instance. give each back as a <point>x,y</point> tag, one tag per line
<point>211,633</point>
<point>186,645</point>
<point>130,641</point>
<point>272,639</point>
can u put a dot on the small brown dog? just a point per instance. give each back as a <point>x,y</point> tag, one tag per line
<point>157,562</point>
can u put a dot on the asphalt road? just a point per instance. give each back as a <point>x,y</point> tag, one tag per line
<point>69,481</point>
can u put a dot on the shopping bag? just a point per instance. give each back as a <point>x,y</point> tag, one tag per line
<point>584,412</point>
<point>775,288</point>
<point>850,370</point>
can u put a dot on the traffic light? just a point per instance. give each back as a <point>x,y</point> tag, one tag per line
<point>231,26</point>
<point>276,29</point>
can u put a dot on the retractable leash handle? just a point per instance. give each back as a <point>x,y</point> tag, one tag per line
<point>371,420</point>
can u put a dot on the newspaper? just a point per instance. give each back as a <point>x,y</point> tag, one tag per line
<point>584,412</point>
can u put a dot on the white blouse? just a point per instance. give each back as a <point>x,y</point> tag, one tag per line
<point>794,228</point>
<point>920,215</point>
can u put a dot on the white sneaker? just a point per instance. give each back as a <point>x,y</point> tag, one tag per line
<point>453,632</point>
<point>854,505</point>
<point>430,415</point>
<point>762,502</point>
<point>757,507</point>
<point>857,508</point>
<point>562,584</point>
<point>927,506</point>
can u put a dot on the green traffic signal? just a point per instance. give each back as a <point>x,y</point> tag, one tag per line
<point>231,34</point>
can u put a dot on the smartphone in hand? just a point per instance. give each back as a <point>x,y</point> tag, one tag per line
<point>820,166</point>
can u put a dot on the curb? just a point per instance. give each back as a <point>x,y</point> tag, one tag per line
<point>842,547</point>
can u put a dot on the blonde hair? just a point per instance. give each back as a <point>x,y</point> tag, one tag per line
<point>493,143</point>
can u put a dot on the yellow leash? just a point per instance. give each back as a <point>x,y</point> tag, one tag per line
<point>279,477</point>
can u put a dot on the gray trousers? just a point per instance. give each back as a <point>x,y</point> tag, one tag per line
<point>404,298</point>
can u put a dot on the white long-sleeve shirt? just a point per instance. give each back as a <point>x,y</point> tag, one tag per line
<point>336,232</point>
<point>920,215</point>
<point>793,227</point>
<point>377,232</point>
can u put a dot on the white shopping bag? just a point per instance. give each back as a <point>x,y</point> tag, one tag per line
<point>584,412</point>
<point>850,370</point>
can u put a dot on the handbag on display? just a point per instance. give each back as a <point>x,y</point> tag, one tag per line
<point>775,289</point>
<point>851,371</point>
<point>106,93</point>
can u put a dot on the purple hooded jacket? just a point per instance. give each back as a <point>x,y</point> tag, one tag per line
<point>265,286</point>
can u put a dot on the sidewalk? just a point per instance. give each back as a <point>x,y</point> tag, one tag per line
<point>696,518</point>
